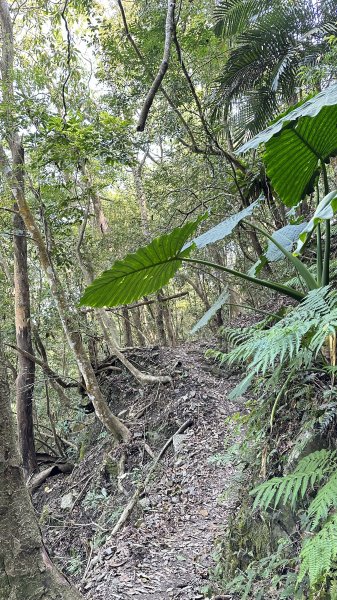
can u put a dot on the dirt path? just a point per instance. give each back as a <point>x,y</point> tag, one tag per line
<point>167,550</point>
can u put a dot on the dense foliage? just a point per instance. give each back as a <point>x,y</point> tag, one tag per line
<point>172,167</point>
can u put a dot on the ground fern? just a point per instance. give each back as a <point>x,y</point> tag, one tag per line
<point>299,336</point>
<point>319,553</point>
<point>311,470</point>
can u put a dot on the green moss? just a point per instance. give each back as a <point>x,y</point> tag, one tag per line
<point>111,468</point>
<point>45,515</point>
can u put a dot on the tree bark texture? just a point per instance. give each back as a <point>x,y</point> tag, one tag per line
<point>26,571</point>
<point>26,366</point>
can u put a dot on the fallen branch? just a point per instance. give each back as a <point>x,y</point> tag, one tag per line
<point>169,27</point>
<point>164,299</point>
<point>139,304</point>
<point>142,486</point>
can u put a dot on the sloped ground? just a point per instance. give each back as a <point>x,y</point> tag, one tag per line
<point>165,550</point>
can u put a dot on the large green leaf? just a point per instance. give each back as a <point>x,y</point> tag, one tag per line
<point>286,236</point>
<point>224,228</point>
<point>211,311</point>
<point>297,143</point>
<point>311,108</point>
<point>143,272</point>
<point>325,210</point>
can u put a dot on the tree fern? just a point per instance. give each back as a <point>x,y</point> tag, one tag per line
<point>311,470</point>
<point>319,553</point>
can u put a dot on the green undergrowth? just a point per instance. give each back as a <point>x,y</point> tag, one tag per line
<point>281,540</point>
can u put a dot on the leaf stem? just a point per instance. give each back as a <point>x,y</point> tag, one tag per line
<point>327,248</point>
<point>319,250</point>
<point>276,287</point>
<point>278,398</point>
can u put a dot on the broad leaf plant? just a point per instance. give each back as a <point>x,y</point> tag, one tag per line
<point>297,148</point>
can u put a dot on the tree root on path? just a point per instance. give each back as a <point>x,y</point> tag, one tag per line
<point>142,486</point>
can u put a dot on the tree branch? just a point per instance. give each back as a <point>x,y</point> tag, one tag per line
<point>169,29</point>
<point>150,73</point>
<point>219,151</point>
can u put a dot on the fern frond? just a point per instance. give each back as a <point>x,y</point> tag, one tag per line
<point>319,553</point>
<point>325,499</point>
<point>312,469</point>
<point>300,334</point>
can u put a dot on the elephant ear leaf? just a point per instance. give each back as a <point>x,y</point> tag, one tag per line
<point>224,228</point>
<point>297,144</point>
<point>152,267</point>
<point>286,236</point>
<point>211,311</point>
<point>325,210</point>
<point>141,273</point>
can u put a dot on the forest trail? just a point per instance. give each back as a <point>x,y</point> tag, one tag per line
<point>166,549</point>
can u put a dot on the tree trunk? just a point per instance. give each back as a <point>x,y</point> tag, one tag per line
<point>167,314</point>
<point>141,197</point>
<point>160,321</point>
<point>139,326</point>
<point>26,571</point>
<point>26,366</point>
<point>128,339</point>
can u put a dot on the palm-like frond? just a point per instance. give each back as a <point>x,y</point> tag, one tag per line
<point>234,16</point>
<point>269,41</point>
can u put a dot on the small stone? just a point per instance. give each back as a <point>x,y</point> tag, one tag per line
<point>67,500</point>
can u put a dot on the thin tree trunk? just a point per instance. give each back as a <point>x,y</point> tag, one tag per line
<point>26,366</point>
<point>141,197</point>
<point>160,322</point>
<point>26,571</point>
<point>167,314</point>
<point>128,339</point>
<point>25,374</point>
<point>136,313</point>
